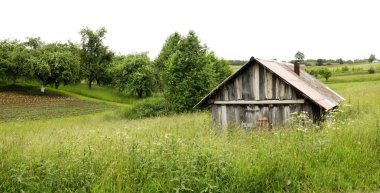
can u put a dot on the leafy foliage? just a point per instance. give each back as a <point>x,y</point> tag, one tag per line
<point>14,61</point>
<point>340,61</point>
<point>34,43</point>
<point>134,74</point>
<point>191,71</point>
<point>95,57</point>
<point>319,62</point>
<point>371,58</point>
<point>325,72</point>
<point>187,77</point>
<point>161,62</point>
<point>150,108</point>
<point>299,56</point>
<point>220,67</point>
<point>56,64</point>
<point>371,70</point>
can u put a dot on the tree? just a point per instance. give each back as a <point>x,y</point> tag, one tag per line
<point>134,75</point>
<point>340,61</point>
<point>221,68</point>
<point>14,60</point>
<point>299,56</point>
<point>371,58</point>
<point>33,43</point>
<point>189,75</point>
<point>95,57</point>
<point>325,72</point>
<point>56,64</point>
<point>161,62</point>
<point>319,62</point>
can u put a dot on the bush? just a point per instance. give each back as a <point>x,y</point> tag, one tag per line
<point>325,72</point>
<point>319,62</point>
<point>314,73</point>
<point>371,70</point>
<point>345,69</point>
<point>149,108</point>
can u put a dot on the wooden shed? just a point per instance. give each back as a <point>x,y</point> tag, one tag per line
<point>267,92</point>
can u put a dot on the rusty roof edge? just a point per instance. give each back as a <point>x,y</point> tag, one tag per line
<point>327,107</point>
<point>304,94</point>
<point>318,102</point>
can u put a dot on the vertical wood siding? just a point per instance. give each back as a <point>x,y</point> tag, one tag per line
<point>258,83</point>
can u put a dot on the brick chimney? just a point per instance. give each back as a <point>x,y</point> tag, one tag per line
<point>297,67</point>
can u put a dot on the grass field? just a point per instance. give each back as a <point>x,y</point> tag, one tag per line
<point>26,102</point>
<point>103,152</point>
<point>103,93</point>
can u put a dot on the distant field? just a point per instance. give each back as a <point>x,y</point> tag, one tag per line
<point>360,67</point>
<point>26,103</point>
<point>234,68</point>
<point>337,68</point>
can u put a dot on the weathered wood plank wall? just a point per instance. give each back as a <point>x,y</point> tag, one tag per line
<point>258,83</point>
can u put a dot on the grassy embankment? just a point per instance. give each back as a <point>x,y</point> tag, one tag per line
<point>105,153</point>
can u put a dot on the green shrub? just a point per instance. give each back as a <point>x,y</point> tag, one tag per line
<point>149,108</point>
<point>371,70</point>
<point>325,73</point>
<point>345,69</point>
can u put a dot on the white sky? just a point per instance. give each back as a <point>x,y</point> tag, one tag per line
<point>232,29</point>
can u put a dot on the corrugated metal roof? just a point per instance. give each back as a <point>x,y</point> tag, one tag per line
<point>311,87</point>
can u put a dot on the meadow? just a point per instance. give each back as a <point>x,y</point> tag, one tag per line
<point>105,152</point>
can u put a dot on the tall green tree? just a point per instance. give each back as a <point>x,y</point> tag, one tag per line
<point>299,56</point>
<point>189,75</point>
<point>133,74</point>
<point>95,57</point>
<point>161,62</point>
<point>221,68</point>
<point>371,58</point>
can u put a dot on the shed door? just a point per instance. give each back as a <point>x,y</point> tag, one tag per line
<point>251,114</point>
<point>255,117</point>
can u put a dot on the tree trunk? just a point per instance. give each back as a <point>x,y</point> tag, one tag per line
<point>139,93</point>
<point>89,83</point>
<point>42,88</point>
<point>14,79</point>
<point>98,82</point>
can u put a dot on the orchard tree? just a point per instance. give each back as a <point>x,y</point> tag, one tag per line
<point>161,62</point>
<point>189,75</point>
<point>299,56</point>
<point>14,60</point>
<point>134,75</point>
<point>4,51</point>
<point>56,64</point>
<point>95,57</point>
<point>371,58</point>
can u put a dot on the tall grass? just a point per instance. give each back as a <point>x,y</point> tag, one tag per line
<point>186,153</point>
